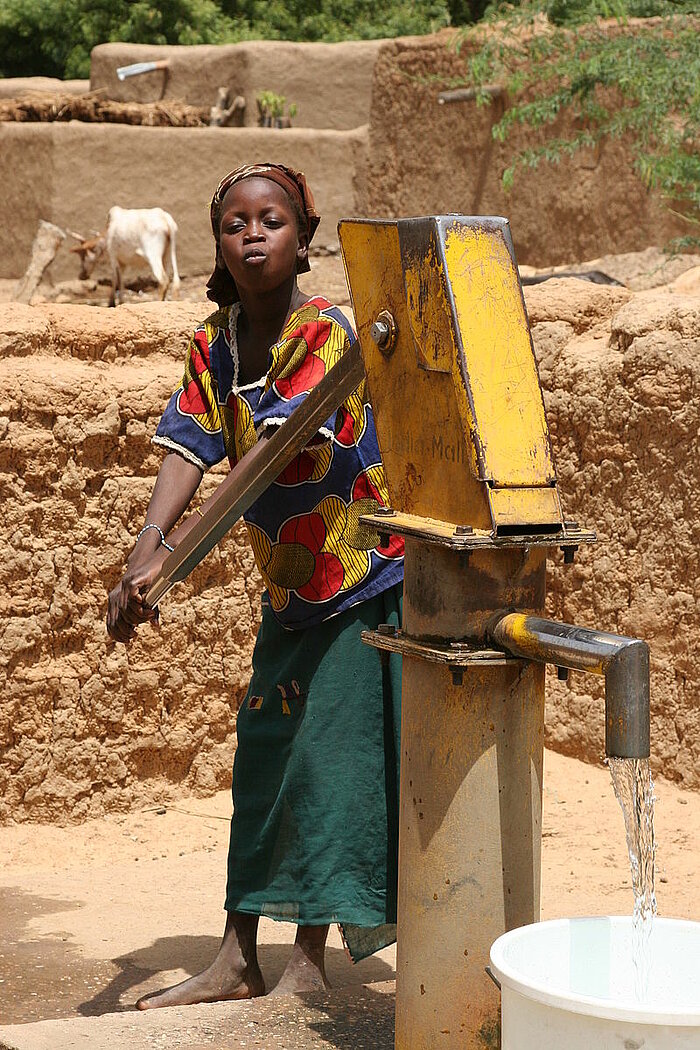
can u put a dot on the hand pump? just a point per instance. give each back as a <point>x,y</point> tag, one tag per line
<point>461,426</point>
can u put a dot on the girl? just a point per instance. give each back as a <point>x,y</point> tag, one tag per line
<point>315,782</point>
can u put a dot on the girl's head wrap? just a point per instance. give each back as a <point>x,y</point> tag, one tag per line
<point>221,287</point>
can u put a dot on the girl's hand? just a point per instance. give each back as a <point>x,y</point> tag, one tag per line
<point>126,606</point>
<point>176,484</point>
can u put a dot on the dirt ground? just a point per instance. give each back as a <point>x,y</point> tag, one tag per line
<point>327,275</point>
<point>636,270</point>
<point>93,916</point>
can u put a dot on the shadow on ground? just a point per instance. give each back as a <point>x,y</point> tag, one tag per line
<point>42,977</point>
<point>139,969</point>
<point>48,977</point>
<point>364,1022</point>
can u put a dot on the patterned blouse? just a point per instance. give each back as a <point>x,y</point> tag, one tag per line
<point>314,555</point>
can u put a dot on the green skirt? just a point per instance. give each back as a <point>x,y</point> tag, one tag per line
<point>314,832</point>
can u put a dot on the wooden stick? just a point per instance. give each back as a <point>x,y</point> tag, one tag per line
<point>258,469</point>
<point>46,243</point>
<point>469,94</point>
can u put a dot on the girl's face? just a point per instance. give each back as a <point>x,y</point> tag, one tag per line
<point>259,239</point>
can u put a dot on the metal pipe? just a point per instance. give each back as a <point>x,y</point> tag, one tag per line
<point>137,68</point>
<point>624,662</point>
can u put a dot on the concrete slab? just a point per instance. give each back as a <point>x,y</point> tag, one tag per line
<point>347,1019</point>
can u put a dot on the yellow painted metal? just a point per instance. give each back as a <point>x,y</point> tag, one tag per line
<point>422,526</point>
<point>499,364</point>
<point>445,533</point>
<point>525,506</point>
<point>429,309</point>
<point>457,403</point>
<point>461,427</point>
<point>426,451</point>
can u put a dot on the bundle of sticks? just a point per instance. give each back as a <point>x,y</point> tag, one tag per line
<point>95,109</point>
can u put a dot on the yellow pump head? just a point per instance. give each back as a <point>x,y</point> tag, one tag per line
<point>443,293</point>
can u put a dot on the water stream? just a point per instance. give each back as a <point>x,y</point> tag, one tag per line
<point>634,790</point>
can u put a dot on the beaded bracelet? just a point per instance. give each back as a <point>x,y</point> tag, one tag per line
<point>152,525</point>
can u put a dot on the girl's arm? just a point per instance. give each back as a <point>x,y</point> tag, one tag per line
<point>176,484</point>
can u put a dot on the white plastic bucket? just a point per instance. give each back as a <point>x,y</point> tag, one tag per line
<point>569,984</point>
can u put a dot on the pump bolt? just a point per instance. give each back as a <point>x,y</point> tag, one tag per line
<point>563,674</point>
<point>569,553</point>
<point>463,530</point>
<point>457,676</point>
<point>380,332</point>
<point>383,331</point>
<point>387,628</point>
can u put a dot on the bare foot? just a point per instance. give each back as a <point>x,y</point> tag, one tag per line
<point>234,973</point>
<point>209,986</point>
<point>305,971</point>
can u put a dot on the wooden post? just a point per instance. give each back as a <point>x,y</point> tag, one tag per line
<point>46,243</point>
<point>223,115</point>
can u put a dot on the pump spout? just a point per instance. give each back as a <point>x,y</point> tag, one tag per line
<point>623,661</point>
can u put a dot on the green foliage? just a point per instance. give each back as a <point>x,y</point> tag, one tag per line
<point>463,12</point>
<point>274,110</point>
<point>55,37</point>
<point>640,81</point>
<point>333,20</point>
<point>578,12</point>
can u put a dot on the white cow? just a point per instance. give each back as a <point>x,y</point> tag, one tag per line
<point>132,236</point>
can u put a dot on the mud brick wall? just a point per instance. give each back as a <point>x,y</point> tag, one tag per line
<point>621,375</point>
<point>86,725</point>
<point>330,84</point>
<point>44,174</point>
<point>427,159</point>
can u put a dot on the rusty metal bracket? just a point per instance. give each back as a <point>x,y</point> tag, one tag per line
<point>457,655</point>
<point>465,538</point>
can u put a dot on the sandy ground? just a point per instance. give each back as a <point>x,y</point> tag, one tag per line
<point>92,916</point>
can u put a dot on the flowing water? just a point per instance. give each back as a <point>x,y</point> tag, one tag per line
<point>634,790</point>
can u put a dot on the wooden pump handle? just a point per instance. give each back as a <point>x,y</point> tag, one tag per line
<point>258,469</point>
